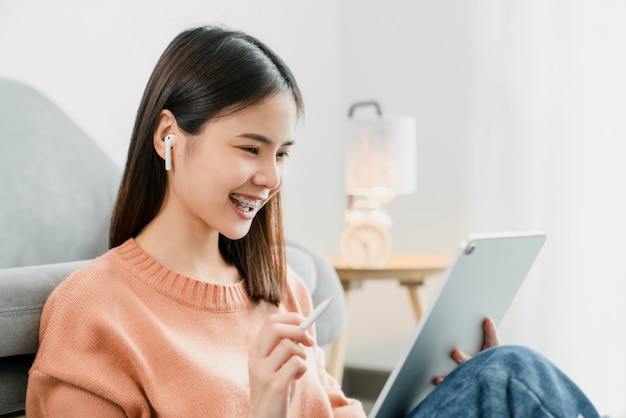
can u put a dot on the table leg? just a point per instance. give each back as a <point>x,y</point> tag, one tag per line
<point>337,355</point>
<point>415,299</point>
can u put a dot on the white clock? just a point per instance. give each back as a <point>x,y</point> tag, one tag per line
<point>366,243</point>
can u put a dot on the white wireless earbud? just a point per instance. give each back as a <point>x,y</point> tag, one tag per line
<point>169,140</point>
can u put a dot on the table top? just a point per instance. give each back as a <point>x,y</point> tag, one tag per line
<point>398,266</point>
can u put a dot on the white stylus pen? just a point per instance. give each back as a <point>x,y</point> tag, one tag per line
<point>317,312</point>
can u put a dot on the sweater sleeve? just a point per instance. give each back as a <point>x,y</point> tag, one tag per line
<point>342,406</point>
<point>51,397</point>
<point>74,374</point>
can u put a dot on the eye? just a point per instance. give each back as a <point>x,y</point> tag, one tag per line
<point>251,150</point>
<point>282,154</point>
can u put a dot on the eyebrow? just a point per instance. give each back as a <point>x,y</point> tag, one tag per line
<point>265,140</point>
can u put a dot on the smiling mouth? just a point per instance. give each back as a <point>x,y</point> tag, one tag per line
<point>243,204</point>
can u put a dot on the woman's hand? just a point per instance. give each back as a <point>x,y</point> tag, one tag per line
<point>276,360</point>
<point>490,339</point>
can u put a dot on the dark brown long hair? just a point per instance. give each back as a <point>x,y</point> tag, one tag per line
<point>204,73</point>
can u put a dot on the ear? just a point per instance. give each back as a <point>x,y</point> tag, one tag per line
<point>166,125</point>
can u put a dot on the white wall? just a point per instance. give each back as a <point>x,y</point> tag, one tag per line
<point>414,58</point>
<point>94,59</point>
<point>547,153</point>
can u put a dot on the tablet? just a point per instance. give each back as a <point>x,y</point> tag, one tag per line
<point>481,281</point>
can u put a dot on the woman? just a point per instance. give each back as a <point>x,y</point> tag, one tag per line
<point>193,311</point>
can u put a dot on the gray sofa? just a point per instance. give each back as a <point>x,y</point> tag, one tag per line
<point>56,192</point>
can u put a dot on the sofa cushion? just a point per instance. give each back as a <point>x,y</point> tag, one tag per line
<point>57,187</point>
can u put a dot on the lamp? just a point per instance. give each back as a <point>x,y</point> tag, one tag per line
<point>381,163</point>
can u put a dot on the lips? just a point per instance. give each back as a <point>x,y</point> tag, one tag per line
<point>243,204</point>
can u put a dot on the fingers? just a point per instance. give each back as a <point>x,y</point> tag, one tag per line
<point>491,338</point>
<point>279,327</point>
<point>293,368</point>
<point>278,382</point>
<point>276,361</point>
<point>278,357</point>
<point>460,356</point>
<point>284,351</point>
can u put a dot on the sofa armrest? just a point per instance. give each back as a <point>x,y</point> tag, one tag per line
<point>23,292</point>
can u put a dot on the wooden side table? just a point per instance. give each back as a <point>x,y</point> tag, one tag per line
<point>409,269</point>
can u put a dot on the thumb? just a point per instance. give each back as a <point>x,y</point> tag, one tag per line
<point>491,338</point>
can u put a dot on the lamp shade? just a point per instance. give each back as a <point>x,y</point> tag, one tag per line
<point>381,156</point>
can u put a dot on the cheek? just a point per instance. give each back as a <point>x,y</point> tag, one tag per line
<point>282,172</point>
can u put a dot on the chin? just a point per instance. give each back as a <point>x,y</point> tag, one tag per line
<point>235,235</point>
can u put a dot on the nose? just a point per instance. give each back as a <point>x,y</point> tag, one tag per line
<point>269,175</point>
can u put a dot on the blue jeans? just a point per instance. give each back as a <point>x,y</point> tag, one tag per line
<point>506,381</point>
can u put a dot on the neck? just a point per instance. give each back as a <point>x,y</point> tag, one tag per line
<point>188,250</point>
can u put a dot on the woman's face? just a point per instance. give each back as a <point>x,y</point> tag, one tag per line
<point>222,177</point>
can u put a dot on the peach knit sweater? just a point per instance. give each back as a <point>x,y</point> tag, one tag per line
<point>127,337</point>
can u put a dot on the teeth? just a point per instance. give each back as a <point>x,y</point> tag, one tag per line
<point>246,205</point>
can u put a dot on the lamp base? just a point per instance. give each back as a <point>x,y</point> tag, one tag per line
<point>366,240</point>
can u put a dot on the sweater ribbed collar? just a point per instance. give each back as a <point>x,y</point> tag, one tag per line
<point>183,289</point>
